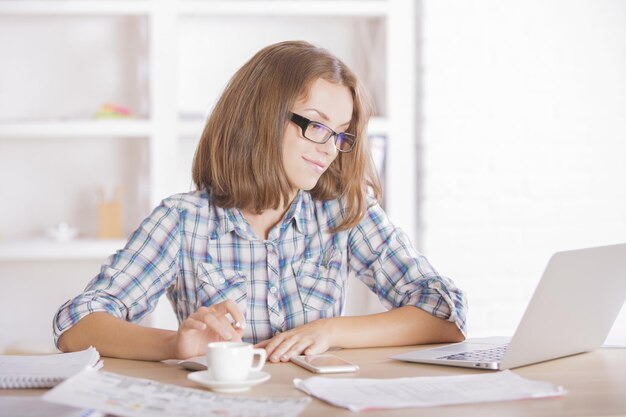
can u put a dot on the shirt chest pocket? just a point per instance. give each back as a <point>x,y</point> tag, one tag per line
<point>216,284</point>
<point>320,282</point>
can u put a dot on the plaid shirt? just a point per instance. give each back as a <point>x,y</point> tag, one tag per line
<point>202,254</point>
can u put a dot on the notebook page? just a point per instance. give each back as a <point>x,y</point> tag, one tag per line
<point>32,371</point>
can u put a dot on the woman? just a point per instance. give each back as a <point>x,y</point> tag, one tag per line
<point>285,207</point>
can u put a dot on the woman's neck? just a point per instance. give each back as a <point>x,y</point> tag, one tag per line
<point>262,223</point>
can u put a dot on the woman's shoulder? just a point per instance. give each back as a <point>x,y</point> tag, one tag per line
<point>339,206</point>
<point>192,201</point>
<point>331,212</point>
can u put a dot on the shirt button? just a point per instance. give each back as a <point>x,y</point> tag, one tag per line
<point>273,290</point>
<point>221,281</point>
<point>269,246</point>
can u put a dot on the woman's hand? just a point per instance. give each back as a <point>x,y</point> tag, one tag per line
<point>309,339</point>
<point>208,324</point>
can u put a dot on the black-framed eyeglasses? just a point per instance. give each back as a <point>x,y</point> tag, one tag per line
<point>320,133</point>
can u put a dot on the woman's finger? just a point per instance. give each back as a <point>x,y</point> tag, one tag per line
<point>230,307</point>
<point>226,322</point>
<point>271,344</point>
<point>315,349</point>
<point>297,349</point>
<point>193,324</point>
<point>262,344</point>
<point>282,348</point>
<point>224,331</point>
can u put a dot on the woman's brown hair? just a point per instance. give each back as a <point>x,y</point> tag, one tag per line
<point>238,159</point>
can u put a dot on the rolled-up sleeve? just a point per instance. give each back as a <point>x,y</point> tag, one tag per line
<point>132,280</point>
<point>383,258</point>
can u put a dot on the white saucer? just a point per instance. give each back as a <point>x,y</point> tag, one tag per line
<point>205,378</point>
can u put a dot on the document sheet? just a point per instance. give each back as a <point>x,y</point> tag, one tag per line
<point>43,371</point>
<point>359,394</point>
<point>133,397</point>
<point>28,406</point>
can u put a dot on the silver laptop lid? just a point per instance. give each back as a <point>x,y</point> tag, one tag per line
<point>573,307</point>
<point>572,310</point>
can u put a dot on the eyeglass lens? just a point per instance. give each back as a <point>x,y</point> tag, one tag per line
<point>319,133</point>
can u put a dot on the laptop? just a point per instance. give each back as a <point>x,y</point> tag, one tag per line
<point>572,311</point>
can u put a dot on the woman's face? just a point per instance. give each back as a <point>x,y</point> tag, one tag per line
<point>305,161</point>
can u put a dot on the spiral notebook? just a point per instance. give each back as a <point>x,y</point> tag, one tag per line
<point>45,371</point>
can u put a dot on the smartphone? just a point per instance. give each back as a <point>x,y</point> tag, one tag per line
<point>324,364</point>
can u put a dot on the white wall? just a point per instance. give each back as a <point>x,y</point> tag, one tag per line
<point>523,145</point>
<point>30,296</point>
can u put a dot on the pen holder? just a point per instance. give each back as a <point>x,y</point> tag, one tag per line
<point>110,217</point>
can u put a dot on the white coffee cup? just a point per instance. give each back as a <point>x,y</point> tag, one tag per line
<point>232,361</point>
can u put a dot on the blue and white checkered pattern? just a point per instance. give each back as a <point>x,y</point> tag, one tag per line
<point>202,254</point>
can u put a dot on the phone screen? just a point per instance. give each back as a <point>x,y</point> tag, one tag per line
<point>326,360</point>
<point>324,363</point>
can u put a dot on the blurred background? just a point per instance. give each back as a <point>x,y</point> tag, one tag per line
<point>500,133</point>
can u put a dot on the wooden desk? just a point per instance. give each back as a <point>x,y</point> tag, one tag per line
<point>596,383</point>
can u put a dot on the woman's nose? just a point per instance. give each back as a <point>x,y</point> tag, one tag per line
<point>328,147</point>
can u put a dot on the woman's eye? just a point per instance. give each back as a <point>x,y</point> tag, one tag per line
<point>319,128</point>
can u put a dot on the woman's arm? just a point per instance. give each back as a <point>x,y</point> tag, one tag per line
<point>398,327</point>
<point>117,338</point>
<point>401,326</point>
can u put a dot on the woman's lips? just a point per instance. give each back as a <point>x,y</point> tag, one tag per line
<point>318,166</point>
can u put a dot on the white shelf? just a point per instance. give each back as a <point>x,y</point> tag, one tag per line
<point>346,8</point>
<point>69,7</point>
<point>46,249</point>
<point>193,128</point>
<point>77,128</point>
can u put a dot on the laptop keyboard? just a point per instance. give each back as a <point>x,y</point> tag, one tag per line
<point>482,355</point>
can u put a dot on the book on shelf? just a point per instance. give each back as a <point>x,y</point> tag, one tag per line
<point>45,371</point>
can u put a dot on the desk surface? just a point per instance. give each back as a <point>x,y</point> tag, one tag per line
<point>596,383</point>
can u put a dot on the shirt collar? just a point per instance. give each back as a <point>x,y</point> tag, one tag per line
<point>300,212</point>
<point>221,220</point>
<point>227,220</point>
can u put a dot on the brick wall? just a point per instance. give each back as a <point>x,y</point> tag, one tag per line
<point>523,143</point>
